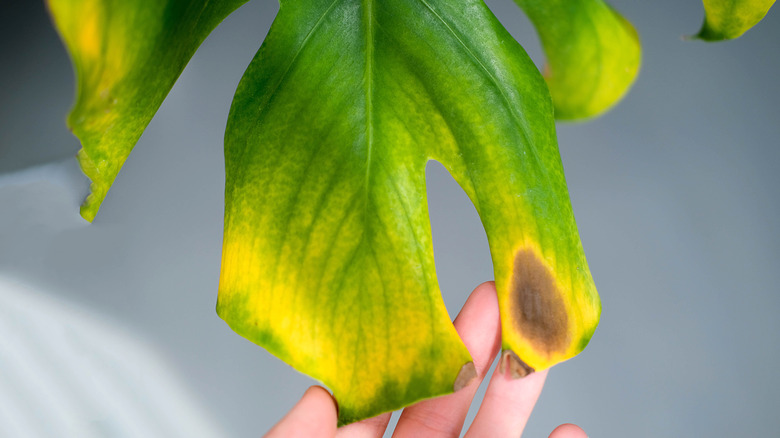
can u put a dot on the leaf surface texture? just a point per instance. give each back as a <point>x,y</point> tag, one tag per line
<point>327,256</point>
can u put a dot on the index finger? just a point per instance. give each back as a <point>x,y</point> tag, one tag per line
<point>478,326</point>
<point>507,404</point>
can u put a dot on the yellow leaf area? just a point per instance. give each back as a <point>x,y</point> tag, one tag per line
<point>547,298</point>
<point>376,349</point>
<point>729,19</point>
<point>549,308</point>
<point>373,347</point>
<point>607,62</point>
<point>82,25</point>
<point>102,56</point>
<point>593,54</point>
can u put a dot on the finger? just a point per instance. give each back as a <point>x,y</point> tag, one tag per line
<point>507,404</point>
<point>313,416</point>
<point>478,326</point>
<point>371,427</point>
<point>568,431</point>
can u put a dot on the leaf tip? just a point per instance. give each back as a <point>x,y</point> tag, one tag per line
<point>511,363</point>
<point>97,189</point>
<point>708,34</point>
<point>466,375</point>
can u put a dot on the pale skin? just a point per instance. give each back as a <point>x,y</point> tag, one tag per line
<point>504,412</point>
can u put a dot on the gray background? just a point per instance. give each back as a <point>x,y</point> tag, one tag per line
<point>675,193</point>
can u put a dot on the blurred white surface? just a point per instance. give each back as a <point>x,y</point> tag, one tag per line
<point>68,372</point>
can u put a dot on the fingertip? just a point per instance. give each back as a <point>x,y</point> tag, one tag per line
<point>488,287</point>
<point>370,427</point>
<point>506,394</point>
<point>484,294</point>
<point>568,430</point>
<point>315,414</point>
<point>319,393</point>
<point>319,398</point>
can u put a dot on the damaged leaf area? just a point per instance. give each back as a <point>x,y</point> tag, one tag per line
<point>327,257</point>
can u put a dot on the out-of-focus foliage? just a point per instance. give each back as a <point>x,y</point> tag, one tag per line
<point>593,54</point>
<point>127,55</point>
<point>729,19</point>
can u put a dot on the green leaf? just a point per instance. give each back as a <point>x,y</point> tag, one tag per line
<point>127,54</point>
<point>729,19</point>
<point>593,54</point>
<point>327,258</point>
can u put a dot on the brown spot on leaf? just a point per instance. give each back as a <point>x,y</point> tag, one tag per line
<point>517,368</point>
<point>468,372</point>
<point>536,304</point>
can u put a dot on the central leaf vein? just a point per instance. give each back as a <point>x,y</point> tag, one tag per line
<point>491,76</point>
<point>368,16</point>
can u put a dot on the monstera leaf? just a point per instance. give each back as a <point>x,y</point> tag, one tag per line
<point>127,54</point>
<point>729,19</point>
<point>327,257</point>
<point>593,54</point>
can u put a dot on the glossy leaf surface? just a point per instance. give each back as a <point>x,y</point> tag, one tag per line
<point>729,19</point>
<point>127,54</point>
<point>327,257</point>
<point>593,54</point>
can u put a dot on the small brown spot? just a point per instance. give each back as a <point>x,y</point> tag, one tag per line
<point>536,304</point>
<point>517,368</point>
<point>468,372</point>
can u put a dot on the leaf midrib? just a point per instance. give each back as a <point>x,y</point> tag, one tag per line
<point>482,66</point>
<point>368,16</point>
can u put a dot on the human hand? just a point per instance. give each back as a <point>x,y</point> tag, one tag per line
<point>504,411</point>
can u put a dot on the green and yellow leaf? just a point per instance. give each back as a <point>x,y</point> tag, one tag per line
<point>729,19</point>
<point>593,54</point>
<point>127,54</point>
<point>327,258</point>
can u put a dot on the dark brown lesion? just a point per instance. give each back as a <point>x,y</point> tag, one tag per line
<point>536,305</point>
